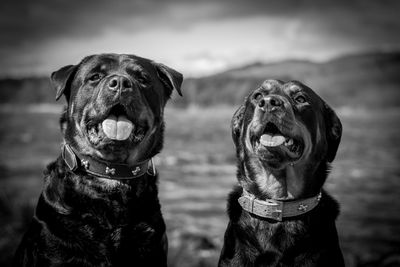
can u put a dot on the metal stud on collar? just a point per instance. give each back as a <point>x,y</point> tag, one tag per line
<point>85,163</point>
<point>303,207</point>
<point>110,171</point>
<point>136,170</point>
<point>319,197</point>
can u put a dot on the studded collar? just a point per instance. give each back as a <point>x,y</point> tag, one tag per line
<point>275,209</point>
<point>103,169</point>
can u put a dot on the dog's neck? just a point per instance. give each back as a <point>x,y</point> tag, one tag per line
<point>120,193</point>
<point>101,169</point>
<point>278,194</point>
<point>277,210</point>
<point>283,185</point>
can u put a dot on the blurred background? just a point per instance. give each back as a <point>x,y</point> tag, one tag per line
<point>347,51</point>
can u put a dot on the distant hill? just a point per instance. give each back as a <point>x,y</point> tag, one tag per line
<point>369,80</point>
<point>357,80</point>
<point>28,90</point>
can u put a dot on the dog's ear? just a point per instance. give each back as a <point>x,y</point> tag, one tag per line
<point>333,132</point>
<point>170,78</point>
<point>236,124</point>
<point>61,80</point>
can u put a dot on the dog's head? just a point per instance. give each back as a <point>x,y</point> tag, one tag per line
<point>286,130</point>
<point>115,105</point>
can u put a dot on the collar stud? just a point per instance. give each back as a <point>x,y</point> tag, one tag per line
<point>302,207</point>
<point>319,197</point>
<point>110,171</point>
<point>136,170</point>
<point>85,163</point>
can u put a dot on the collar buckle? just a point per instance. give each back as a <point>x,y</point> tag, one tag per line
<point>152,171</point>
<point>268,209</point>
<point>275,209</point>
<point>69,157</point>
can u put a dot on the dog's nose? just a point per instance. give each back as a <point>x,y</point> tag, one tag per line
<point>270,103</point>
<point>119,83</point>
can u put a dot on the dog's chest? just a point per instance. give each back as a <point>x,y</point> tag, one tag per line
<point>117,228</point>
<point>275,236</point>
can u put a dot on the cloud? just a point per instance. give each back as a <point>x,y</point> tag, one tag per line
<point>203,49</point>
<point>45,19</point>
<point>38,36</point>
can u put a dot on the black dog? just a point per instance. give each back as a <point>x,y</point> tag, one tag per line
<point>99,205</point>
<point>285,137</point>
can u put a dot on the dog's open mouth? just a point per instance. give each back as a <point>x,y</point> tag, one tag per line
<point>272,139</point>
<point>116,126</point>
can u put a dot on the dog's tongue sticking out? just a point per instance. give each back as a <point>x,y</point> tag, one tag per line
<point>272,140</point>
<point>117,128</point>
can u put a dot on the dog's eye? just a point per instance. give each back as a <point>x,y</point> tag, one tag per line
<point>95,77</point>
<point>300,99</point>
<point>143,80</point>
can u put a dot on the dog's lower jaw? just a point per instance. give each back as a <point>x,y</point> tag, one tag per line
<point>274,159</point>
<point>104,149</point>
<point>278,178</point>
<point>117,154</point>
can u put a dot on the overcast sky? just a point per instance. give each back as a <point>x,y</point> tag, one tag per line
<point>196,37</point>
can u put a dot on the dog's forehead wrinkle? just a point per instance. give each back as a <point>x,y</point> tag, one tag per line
<point>291,91</point>
<point>292,86</point>
<point>104,67</point>
<point>139,65</point>
<point>99,63</point>
<point>109,62</point>
<point>137,69</point>
<point>270,84</point>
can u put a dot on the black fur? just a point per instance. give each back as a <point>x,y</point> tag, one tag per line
<point>79,222</point>
<point>307,240</point>
<point>83,220</point>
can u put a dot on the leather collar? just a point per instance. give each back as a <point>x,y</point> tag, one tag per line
<point>103,169</point>
<point>275,209</point>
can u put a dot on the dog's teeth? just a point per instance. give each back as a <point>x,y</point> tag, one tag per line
<point>294,148</point>
<point>125,127</point>
<point>110,127</point>
<point>289,142</point>
<point>92,130</point>
<point>117,128</point>
<point>272,140</point>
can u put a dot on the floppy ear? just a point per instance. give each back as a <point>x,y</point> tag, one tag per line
<point>170,78</point>
<point>236,124</point>
<point>333,132</point>
<point>60,80</point>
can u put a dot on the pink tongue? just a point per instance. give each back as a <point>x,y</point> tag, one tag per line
<point>272,140</point>
<point>117,128</point>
